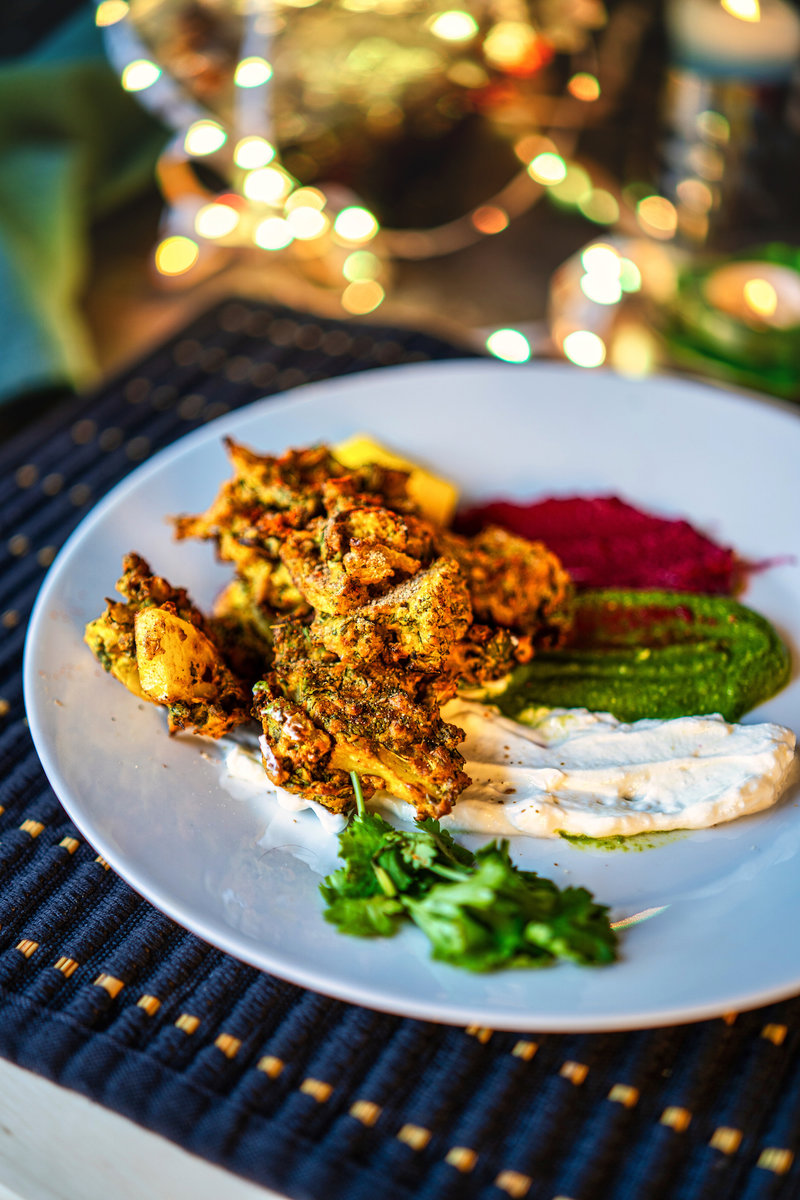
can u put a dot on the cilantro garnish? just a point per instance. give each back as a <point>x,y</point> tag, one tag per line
<point>478,910</point>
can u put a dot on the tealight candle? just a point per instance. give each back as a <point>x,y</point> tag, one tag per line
<point>756,41</point>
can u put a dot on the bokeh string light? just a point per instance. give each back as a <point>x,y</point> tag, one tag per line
<point>266,205</point>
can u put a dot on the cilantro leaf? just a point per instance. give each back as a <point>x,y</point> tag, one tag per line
<point>478,910</point>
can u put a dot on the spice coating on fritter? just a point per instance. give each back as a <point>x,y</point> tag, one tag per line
<point>357,615</point>
<point>322,720</point>
<point>162,648</point>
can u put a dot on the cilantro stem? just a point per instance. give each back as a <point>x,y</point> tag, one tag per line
<point>382,876</point>
<point>449,872</point>
<point>361,808</point>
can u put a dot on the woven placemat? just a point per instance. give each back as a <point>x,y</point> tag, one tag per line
<point>311,1096</point>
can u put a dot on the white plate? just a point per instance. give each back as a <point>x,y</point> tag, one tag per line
<point>726,937</point>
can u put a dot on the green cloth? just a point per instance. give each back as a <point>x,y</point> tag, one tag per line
<point>73,147</point>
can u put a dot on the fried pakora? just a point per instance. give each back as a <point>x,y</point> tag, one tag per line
<point>162,648</point>
<point>323,719</point>
<point>353,614</point>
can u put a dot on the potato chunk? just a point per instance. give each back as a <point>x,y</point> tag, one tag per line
<point>176,661</point>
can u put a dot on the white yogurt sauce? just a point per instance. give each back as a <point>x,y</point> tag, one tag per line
<point>588,774</point>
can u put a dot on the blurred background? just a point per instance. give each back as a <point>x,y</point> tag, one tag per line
<point>613,183</point>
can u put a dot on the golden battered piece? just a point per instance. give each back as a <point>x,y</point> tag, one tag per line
<point>264,504</point>
<point>340,564</point>
<point>162,648</point>
<point>513,583</point>
<point>322,720</point>
<point>415,623</point>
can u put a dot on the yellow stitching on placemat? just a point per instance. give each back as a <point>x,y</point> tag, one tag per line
<point>27,947</point>
<point>150,1004</point>
<point>70,843</point>
<point>102,862</point>
<point>110,984</point>
<point>726,1139</point>
<point>228,1044</point>
<point>525,1050</point>
<point>514,1183</point>
<point>729,1017</point>
<point>462,1158</point>
<point>480,1032</point>
<point>187,1022</point>
<point>365,1111</point>
<point>622,1093</point>
<point>34,828</point>
<point>5,708</point>
<point>67,966</point>
<point>775,1034</point>
<point>270,1065</point>
<point>678,1119</point>
<point>414,1136</point>
<point>773,1158</point>
<point>575,1072</point>
<point>316,1088</point>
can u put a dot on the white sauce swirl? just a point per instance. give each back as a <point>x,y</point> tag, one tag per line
<point>584,773</point>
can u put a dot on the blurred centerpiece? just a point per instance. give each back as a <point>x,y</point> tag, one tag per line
<point>347,133</point>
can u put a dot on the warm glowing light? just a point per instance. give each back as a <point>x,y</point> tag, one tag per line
<point>111,11</point>
<point>760,295</point>
<point>267,185</point>
<point>601,259</point>
<point>253,152</point>
<point>490,219</point>
<point>140,74</point>
<point>630,277</point>
<point>574,187</point>
<point>355,225</point>
<point>695,194</point>
<point>273,234</point>
<point>454,26</point>
<point>713,125</point>
<point>307,223</point>
<point>657,216</point>
<point>176,255</point>
<point>216,220</point>
<point>252,72</point>
<point>361,264</point>
<point>584,348</point>
<point>510,345</point>
<point>468,74</point>
<point>204,137</point>
<point>515,46</point>
<point>548,168</point>
<point>602,289</point>
<point>584,87</point>
<point>532,144</point>
<point>633,352</point>
<point>307,197</point>
<point>599,206</point>
<point>362,296</point>
<point>744,10</point>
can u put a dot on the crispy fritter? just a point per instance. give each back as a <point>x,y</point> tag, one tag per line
<point>339,564</point>
<point>162,648</point>
<point>268,500</point>
<point>485,654</point>
<point>322,720</point>
<point>416,622</point>
<point>243,629</point>
<point>513,583</point>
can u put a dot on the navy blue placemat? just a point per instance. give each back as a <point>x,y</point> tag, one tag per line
<point>319,1099</point>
